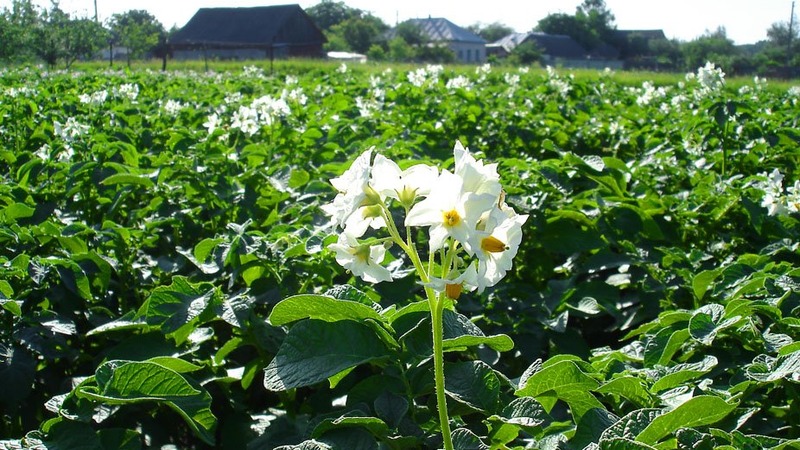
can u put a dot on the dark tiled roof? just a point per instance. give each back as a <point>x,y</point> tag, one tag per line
<point>442,30</point>
<point>242,27</point>
<point>554,45</point>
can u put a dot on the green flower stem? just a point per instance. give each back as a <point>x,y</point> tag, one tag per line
<point>436,303</point>
<point>437,313</point>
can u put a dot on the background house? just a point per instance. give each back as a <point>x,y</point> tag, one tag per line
<point>248,33</point>
<point>467,46</point>
<point>557,50</point>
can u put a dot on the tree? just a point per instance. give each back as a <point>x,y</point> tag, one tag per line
<point>565,24</point>
<point>49,35</point>
<point>592,25</point>
<point>491,32</point>
<point>57,36</point>
<point>137,30</point>
<point>526,53</point>
<point>711,46</point>
<point>597,18</point>
<point>83,40</point>
<point>328,13</point>
<point>359,32</point>
<point>16,38</point>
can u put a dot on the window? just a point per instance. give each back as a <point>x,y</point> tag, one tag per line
<point>469,54</point>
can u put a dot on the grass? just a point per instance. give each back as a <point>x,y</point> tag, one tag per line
<point>288,66</point>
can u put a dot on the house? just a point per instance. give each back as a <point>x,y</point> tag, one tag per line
<point>467,46</point>
<point>557,50</point>
<point>248,33</point>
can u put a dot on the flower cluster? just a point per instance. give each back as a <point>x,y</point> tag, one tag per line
<point>776,200</point>
<point>471,229</point>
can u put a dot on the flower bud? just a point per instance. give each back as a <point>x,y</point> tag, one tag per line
<point>453,291</point>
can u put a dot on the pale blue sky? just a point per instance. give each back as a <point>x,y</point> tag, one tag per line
<point>746,21</point>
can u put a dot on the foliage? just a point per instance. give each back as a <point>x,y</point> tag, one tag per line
<point>165,278</point>
<point>591,26</point>
<point>712,46</point>
<point>59,37</point>
<point>137,30</point>
<point>491,32</point>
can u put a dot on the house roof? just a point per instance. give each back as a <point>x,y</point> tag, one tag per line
<point>261,26</point>
<point>442,30</point>
<point>554,45</point>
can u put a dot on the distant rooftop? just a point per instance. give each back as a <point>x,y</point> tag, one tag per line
<point>440,29</point>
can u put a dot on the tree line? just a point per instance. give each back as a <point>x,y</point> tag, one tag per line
<point>50,35</point>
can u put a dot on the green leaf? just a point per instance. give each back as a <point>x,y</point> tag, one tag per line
<point>128,382</point>
<point>524,411</point>
<point>623,444</point>
<point>463,439</point>
<point>660,349</point>
<point>320,307</point>
<point>129,178</point>
<point>698,411</point>
<point>354,419</point>
<point>177,308</point>
<point>17,374</point>
<point>68,435</point>
<point>629,426</point>
<point>473,383</point>
<point>16,211</point>
<point>315,350</point>
<point>676,375</point>
<point>702,282</point>
<point>707,321</point>
<point>629,387</point>
<point>766,368</point>
<point>391,407</point>
<point>568,382</point>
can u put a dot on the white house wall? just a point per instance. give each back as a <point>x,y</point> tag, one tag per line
<point>469,52</point>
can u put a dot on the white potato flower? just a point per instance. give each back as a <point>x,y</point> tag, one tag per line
<point>361,259</point>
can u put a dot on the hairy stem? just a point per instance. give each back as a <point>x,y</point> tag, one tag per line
<point>437,314</point>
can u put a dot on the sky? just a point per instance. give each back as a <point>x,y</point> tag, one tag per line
<point>746,21</point>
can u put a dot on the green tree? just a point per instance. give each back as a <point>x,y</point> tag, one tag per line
<point>359,32</point>
<point>16,38</point>
<point>328,13</point>
<point>84,38</point>
<point>491,32</point>
<point>711,46</point>
<point>592,25</point>
<point>49,35</point>
<point>138,31</point>
<point>400,50</point>
<point>526,53</point>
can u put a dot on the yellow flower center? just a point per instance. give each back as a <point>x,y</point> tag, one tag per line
<point>361,252</point>
<point>493,245</point>
<point>451,218</point>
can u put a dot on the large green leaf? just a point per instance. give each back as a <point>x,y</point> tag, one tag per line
<point>320,307</point>
<point>473,383</point>
<point>128,382</point>
<point>315,350</point>
<point>567,382</point>
<point>698,411</point>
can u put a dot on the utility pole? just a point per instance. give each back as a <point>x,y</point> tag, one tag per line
<point>789,68</point>
<point>95,11</point>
